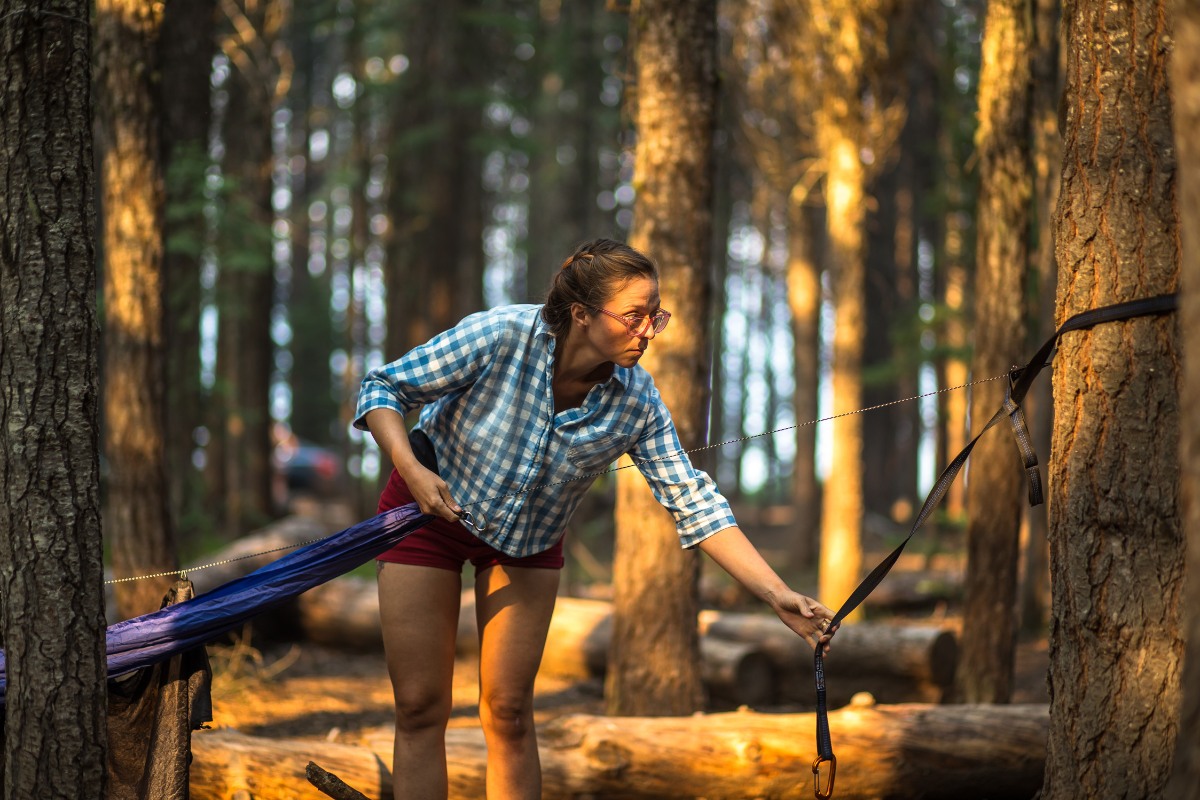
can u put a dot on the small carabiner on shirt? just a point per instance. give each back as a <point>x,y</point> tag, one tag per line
<point>468,519</point>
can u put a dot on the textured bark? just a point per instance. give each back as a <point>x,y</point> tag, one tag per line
<point>1185,84</point>
<point>995,489</point>
<point>653,660</point>
<point>886,751</point>
<point>51,604</point>
<point>1116,546</point>
<point>141,538</point>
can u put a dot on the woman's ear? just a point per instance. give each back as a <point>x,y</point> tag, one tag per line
<point>580,315</point>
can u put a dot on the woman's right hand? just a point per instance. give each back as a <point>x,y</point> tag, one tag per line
<point>432,494</point>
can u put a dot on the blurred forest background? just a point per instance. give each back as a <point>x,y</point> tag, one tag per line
<point>345,179</point>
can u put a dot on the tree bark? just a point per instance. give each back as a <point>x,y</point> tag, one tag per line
<point>996,484</point>
<point>141,537</point>
<point>1184,782</point>
<point>885,751</point>
<point>1116,545</point>
<point>51,564</point>
<point>653,664</point>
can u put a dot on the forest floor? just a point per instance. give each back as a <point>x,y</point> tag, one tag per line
<point>302,690</point>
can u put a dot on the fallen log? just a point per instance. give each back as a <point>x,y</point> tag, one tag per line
<point>893,663</point>
<point>903,751</point>
<point>228,764</point>
<point>331,785</point>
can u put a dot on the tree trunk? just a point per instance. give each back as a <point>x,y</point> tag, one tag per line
<point>1047,78</point>
<point>185,53</point>
<point>653,663</point>
<point>842,502</point>
<point>51,561</point>
<point>1116,547</point>
<point>435,249</point>
<point>804,300</point>
<point>996,484</point>
<point>885,751</point>
<point>245,359</point>
<point>131,176</point>
<point>1185,85</point>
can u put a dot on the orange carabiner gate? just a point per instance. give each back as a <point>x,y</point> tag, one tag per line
<point>828,792</point>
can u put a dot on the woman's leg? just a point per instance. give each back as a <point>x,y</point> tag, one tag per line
<point>418,610</point>
<point>513,607</point>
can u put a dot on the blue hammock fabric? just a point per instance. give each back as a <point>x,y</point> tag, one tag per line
<point>145,640</point>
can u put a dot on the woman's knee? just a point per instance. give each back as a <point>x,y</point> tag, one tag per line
<point>419,710</point>
<point>508,717</point>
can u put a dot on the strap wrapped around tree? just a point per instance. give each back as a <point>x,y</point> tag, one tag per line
<point>1020,380</point>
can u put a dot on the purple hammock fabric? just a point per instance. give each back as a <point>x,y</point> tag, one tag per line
<point>150,638</point>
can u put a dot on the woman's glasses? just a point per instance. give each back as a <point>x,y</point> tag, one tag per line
<point>640,324</point>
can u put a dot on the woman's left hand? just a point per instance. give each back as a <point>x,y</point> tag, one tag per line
<point>806,616</point>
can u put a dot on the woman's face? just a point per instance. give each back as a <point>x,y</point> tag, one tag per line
<point>608,330</point>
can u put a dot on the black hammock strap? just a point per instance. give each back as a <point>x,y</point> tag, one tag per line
<point>1020,379</point>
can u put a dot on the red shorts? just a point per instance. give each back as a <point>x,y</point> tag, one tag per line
<point>448,545</point>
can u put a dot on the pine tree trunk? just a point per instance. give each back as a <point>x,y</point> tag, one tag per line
<point>1047,77</point>
<point>1116,546</point>
<point>996,491</point>
<point>246,351</point>
<point>185,53</point>
<point>653,660</point>
<point>131,177</point>
<point>842,503</point>
<point>51,564</point>
<point>1185,85</point>
<point>804,300</point>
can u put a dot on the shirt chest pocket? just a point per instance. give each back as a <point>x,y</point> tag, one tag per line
<point>595,450</point>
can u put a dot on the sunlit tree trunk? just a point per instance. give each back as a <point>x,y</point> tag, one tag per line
<point>1184,783</point>
<point>1116,545</point>
<point>185,51</point>
<point>51,561</point>
<point>842,503</point>
<point>996,491</point>
<point>141,538</point>
<point>653,660</point>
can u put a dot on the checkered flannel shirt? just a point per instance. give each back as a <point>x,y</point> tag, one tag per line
<point>487,404</point>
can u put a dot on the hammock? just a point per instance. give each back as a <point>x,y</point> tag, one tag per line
<point>145,640</point>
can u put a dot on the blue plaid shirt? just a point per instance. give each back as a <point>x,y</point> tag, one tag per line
<point>487,404</point>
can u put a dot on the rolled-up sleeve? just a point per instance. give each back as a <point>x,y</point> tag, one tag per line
<point>447,363</point>
<point>691,496</point>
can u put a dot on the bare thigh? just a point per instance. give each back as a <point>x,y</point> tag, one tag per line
<point>418,611</point>
<point>513,606</point>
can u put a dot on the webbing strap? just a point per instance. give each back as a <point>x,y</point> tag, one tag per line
<point>1020,380</point>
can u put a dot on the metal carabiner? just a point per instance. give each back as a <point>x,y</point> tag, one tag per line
<point>828,793</point>
<point>469,520</point>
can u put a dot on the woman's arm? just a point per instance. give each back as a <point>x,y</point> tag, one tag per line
<point>734,553</point>
<point>428,489</point>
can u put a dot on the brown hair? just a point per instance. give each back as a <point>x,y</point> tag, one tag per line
<point>589,276</point>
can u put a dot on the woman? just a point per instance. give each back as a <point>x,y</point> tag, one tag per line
<point>521,407</point>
